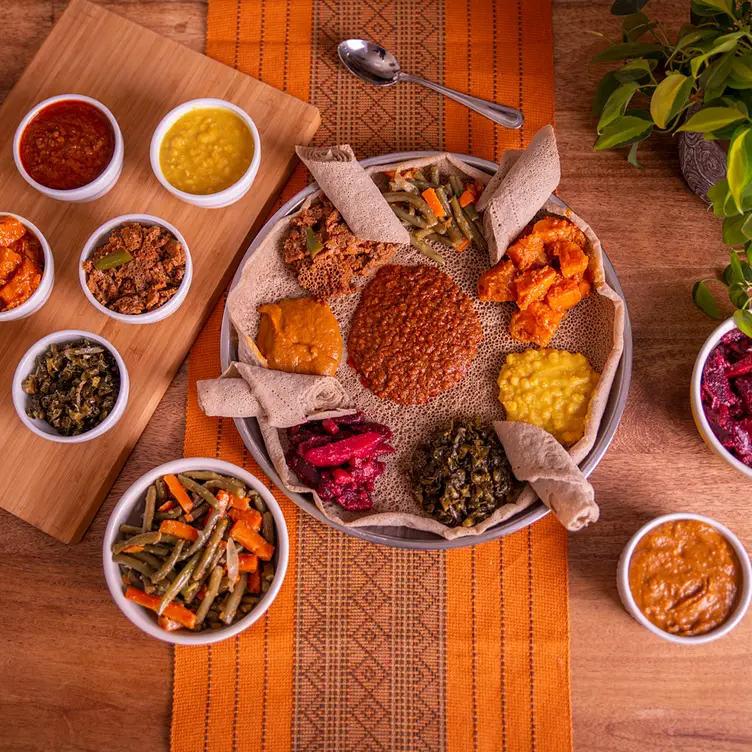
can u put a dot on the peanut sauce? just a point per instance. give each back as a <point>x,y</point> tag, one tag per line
<point>67,145</point>
<point>685,577</point>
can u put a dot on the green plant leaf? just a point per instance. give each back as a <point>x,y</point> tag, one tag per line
<point>732,230</point>
<point>714,6</point>
<point>718,193</point>
<point>737,293</point>
<point>623,131</point>
<point>747,271</point>
<point>726,276</point>
<point>630,50</point>
<point>712,119</point>
<point>726,43</point>
<point>634,26</point>
<point>705,301</point>
<point>632,156</point>
<point>669,97</point>
<point>634,70</point>
<point>748,251</point>
<point>739,162</point>
<point>695,35</point>
<point>743,321</point>
<point>713,79</point>
<point>616,104</point>
<point>741,73</point>
<point>627,7</point>
<point>607,86</point>
<point>747,227</point>
<point>736,275</point>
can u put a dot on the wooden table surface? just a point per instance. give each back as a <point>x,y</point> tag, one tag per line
<point>74,674</point>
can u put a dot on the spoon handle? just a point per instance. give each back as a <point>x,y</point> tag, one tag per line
<point>506,116</point>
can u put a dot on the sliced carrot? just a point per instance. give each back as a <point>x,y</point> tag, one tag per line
<point>180,494</point>
<point>251,516</point>
<point>433,201</point>
<point>169,504</point>
<point>248,562</point>
<point>174,611</point>
<point>254,582</point>
<point>239,502</point>
<point>169,625</point>
<point>468,197</point>
<point>462,245</point>
<point>244,534</point>
<point>178,529</point>
<point>133,549</point>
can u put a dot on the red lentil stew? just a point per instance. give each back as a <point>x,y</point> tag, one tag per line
<point>67,145</point>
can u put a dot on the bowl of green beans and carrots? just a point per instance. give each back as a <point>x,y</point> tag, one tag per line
<point>195,551</point>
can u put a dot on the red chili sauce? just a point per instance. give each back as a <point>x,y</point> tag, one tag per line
<point>67,145</point>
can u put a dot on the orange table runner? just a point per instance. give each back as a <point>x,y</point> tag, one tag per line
<point>367,647</point>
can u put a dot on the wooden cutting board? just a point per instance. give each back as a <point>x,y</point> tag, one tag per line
<point>140,76</point>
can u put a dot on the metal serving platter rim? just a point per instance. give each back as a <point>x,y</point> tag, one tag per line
<point>402,537</point>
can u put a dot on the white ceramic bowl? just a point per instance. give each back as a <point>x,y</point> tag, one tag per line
<point>128,510</point>
<point>26,366</point>
<point>212,200</point>
<point>100,236</point>
<point>698,412</point>
<point>100,185</point>
<point>39,298</point>
<point>742,603</point>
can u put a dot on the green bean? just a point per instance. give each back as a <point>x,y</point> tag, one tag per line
<point>137,540</point>
<point>268,571</point>
<point>178,584</point>
<point>253,600</point>
<point>133,578</point>
<point>170,563</point>
<point>439,239</point>
<point>131,563</point>
<point>456,184</point>
<point>197,488</point>
<point>418,174</point>
<point>443,200</point>
<point>411,219</point>
<point>453,233</point>
<point>227,614</point>
<point>130,530</point>
<point>202,475</point>
<point>211,548</point>
<point>170,539</point>
<point>170,514</point>
<point>151,501</point>
<point>433,173</point>
<point>469,230</point>
<point>417,201</point>
<point>425,249</point>
<point>471,212</point>
<point>161,487</point>
<point>203,535</point>
<point>150,559</point>
<point>258,502</point>
<point>198,512</point>
<point>421,185</point>
<point>226,485</point>
<point>212,590</point>
<point>157,550</point>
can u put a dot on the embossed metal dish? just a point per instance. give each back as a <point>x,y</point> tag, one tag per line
<point>403,537</point>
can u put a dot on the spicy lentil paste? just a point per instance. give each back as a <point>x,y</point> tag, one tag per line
<point>413,335</point>
<point>684,576</point>
<point>67,145</point>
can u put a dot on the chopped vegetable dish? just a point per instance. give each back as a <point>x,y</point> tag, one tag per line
<point>196,564</point>
<point>21,263</point>
<point>73,387</point>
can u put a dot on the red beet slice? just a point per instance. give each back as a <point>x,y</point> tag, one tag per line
<point>340,452</point>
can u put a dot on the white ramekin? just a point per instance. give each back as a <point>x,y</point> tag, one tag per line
<point>695,395</point>
<point>100,236</point>
<point>26,366</point>
<point>100,185</point>
<point>742,603</point>
<point>128,510</point>
<point>39,298</point>
<point>212,200</point>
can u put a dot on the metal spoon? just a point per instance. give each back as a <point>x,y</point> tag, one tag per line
<point>375,65</point>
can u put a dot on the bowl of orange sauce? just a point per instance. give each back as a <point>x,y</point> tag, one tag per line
<point>686,578</point>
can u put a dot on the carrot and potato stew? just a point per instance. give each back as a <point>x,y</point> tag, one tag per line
<point>21,263</point>
<point>203,555</point>
<point>546,272</point>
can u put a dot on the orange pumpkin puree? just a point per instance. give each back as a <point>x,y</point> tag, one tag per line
<point>300,335</point>
<point>684,576</point>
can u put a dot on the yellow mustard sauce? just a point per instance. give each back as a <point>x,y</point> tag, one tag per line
<point>206,151</point>
<point>550,389</point>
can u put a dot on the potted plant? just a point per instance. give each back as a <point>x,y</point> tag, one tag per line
<point>699,84</point>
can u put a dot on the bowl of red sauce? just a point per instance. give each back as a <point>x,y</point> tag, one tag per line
<point>69,148</point>
<point>686,578</point>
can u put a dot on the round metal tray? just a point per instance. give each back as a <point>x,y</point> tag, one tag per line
<point>403,537</point>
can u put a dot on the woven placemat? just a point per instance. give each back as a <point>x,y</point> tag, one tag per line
<point>367,647</point>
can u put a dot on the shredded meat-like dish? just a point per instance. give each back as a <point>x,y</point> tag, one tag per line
<point>146,282</point>
<point>331,271</point>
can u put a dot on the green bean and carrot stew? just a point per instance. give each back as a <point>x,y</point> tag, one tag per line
<point>202,556</point>
<point>438,209</point>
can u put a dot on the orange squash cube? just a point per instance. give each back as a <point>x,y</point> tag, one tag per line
<point>572,258</point>
<point>565,294</point>
<point>528,253</point>
<point>497,283</point>
<point>551,229</point>
<point>9,262</point>
<point>533,285</point>
<point>537,324</point>
<point>11,230</point>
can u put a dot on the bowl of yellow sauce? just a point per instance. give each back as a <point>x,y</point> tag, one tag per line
<point>206,152</point>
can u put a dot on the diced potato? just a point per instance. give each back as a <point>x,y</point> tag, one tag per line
<point>551,229</point>
<point>565,294</point>
<point>497,283</point>
<point>21,286</point>
<point>10,230</point>
<point>9,262</point>
<point>572,258</point>
<point>528,253</point>
<point>533,285</point>
<point>537,324</point>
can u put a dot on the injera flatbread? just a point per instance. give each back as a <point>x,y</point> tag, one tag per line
<point>594,328</point>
